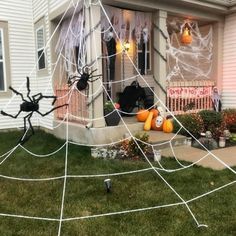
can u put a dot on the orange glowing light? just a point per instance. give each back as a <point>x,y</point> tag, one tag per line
<point>186,37</point>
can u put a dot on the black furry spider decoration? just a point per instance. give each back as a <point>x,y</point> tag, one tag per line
<point>30,106</point>
<point>82,79</point>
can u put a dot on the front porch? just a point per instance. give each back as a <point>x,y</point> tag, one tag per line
<point>127,127</point>
<point>177,85</point>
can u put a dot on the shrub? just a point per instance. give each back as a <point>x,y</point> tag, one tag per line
<point>192,122</point>
<point>214,122</point>
<point>229,117</point>
<point>129,148</point>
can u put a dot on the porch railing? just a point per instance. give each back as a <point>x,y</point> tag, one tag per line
<point>189,96</point>
<point>77,101</point>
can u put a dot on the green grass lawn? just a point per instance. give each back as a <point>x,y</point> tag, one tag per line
<point>87,196</point>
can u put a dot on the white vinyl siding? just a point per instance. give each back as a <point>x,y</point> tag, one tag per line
<point>229,62</point>
<point>20,57</point>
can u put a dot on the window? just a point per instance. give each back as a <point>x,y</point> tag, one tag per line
<point>40,48</point>
<point>144,59</point>
<point>4,60</point>
<point>2,64</point>
<point>41,58</point>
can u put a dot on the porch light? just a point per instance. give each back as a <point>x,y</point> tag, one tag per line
<point>126,45</point>
<point>186,37</point>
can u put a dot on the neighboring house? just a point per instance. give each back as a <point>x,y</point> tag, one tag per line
<point>27,27</point>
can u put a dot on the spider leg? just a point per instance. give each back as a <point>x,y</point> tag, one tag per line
<point>25,138</point>
<point>94,79</point>
<point>44,114</point>
<point>87,91</point>
<point>30,124</point>
<point>92,72</point>
<point>7,114</point>
<point>17,93</point>
<point>95,76</point>
<point>36,95</point>
<point>28,88</point>
<point>70,82</point>
<point>41,96</point>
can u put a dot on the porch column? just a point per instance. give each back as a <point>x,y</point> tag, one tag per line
<point>217,62</point>
<point>94,50</point>
<point>159,44</point>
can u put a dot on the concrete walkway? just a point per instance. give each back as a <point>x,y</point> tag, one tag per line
<point>190,154</point>
<point>187,153</point>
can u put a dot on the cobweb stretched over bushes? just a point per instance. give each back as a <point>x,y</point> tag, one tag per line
<point>158,169</point>
<point>189,61</point>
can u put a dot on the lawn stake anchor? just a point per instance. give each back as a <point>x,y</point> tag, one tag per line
<point>107,183</point>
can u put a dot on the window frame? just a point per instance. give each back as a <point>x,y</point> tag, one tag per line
<point>40,49</point>
<point>40,25</point>
<point>5,59</point>
<point>149,52</point>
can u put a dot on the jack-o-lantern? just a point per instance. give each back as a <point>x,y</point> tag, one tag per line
<point>157,123</point>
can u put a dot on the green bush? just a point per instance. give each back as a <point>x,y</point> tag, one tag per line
<point>214,122</point>
<point>229,117</point>
<point>192,122</point>
<point>130,149</point>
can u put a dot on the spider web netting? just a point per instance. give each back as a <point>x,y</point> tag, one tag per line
<point>160,171</point>
<point>190,61</point>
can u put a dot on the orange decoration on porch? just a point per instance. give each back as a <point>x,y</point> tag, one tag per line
<point>168,126</point>
<point>148,123</point>
<point>186,37</point>
<point>157,123</point>
<point>155,112</point>
<point>142,115</point>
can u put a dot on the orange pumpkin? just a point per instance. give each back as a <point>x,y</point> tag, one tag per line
<point>157,123</point>
<point>155,112</point>
<point>142,115</point>
<point>168,126</point>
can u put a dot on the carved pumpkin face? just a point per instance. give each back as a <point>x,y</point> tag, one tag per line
<point>157,123</point>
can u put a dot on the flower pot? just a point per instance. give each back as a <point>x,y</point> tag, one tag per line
<point>95,152</point>
<point>112,118</point>
<point>157,155</point>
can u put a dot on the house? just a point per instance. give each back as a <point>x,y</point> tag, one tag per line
<point>33,43</point>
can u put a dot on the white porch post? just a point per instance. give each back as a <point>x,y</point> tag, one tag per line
<point>217,63</point>
<point>159,70</point>
<point>94,50</point>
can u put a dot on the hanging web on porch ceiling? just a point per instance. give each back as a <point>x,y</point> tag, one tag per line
<point>191,61</point>
<point>157,168</point>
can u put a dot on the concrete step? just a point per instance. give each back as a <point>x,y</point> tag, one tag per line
<point>104,135</point>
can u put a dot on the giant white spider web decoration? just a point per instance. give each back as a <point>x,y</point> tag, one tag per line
<point>157,170</point>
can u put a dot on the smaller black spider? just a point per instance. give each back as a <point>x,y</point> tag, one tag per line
<point>30,106</point>
<point>82,79</point>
